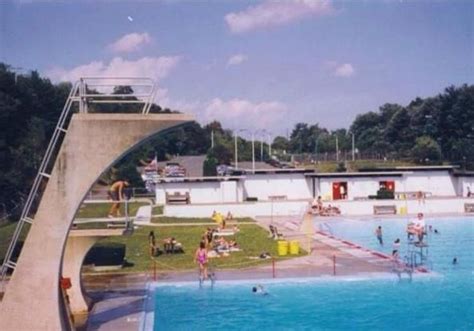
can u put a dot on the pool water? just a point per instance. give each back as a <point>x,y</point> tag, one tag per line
<point>443,302</point>
<point>455,238</point>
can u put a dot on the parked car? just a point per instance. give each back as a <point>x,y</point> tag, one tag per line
<point>173,169</point>
<point>224,170</point>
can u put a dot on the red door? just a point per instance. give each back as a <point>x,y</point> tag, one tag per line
<point>336,191</point>
<point>390,185</point>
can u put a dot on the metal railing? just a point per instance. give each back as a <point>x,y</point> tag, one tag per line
<point>80,93</point>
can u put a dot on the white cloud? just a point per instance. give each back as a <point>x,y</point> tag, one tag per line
<point>344,70</point>
<point>131,42</point>
<point>235,113</point>
<point>273,13</point>
<point>245,113</point>
<point>237,59</point>
<point>156,68</point>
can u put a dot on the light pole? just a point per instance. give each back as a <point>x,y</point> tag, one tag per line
<point>236,160</point>
<point>269,141</point>
<point>253,152</point>
<point>270,145</point>
<point>316,148</point>
<point>236,151</point>
<point>263,134</point>
<point>353,147</point>
<point>337,148</point>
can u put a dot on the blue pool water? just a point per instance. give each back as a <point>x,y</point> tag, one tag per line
<point>444,302</point>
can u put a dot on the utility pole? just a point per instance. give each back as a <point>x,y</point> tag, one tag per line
<point>337,149</point>
<point>253,152</point>
<point>316,148</point>
<point>212,138</point>
<point>261,150</point>
<point>269,145</point>
<point>236,157</point>
<point>353,147</point>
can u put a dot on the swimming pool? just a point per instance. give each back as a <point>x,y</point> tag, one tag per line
<point>433,303</point>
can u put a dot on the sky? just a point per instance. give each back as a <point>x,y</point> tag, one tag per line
<point>252,64</point>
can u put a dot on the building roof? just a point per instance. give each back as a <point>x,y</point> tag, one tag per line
<point>356,174</point>
<point>197,179</point>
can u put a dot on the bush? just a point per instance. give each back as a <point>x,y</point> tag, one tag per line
<point>341,167</point>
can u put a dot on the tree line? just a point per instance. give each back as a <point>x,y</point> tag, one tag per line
<point>426,131</point>
<point>430,130</point>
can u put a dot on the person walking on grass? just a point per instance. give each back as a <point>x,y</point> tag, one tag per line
<point>378,234</point>
<point>116,193</point>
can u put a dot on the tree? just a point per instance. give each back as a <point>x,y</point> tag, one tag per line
<point>129,173</point>
<point>221,154</point>
<point>210,167</point>
<point>398,133</point>
<point>281,144</point>
<point>426,151</point>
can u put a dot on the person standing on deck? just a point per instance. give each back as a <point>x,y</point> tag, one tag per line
<point>201,258</point>
<point>116,193</point>
<point>378,234</point>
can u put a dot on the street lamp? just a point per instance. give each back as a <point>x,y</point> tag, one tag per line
<point>316,148</point>
<point>353,146</point>
<point>254,132</point>
<point>264,133</point>
<point>269,142</point>
<point>236,157</point>
<point>253,152</point>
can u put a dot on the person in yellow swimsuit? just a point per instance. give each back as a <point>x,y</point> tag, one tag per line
<point>116,194</point>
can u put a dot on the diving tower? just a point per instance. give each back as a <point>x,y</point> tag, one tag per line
<point>91,143</point>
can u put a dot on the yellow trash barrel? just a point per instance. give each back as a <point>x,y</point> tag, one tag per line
<point>282,247</point>
<point>403,210</point>
<point>294,247</point>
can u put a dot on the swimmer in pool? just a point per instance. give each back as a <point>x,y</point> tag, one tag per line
<point>259,289</point>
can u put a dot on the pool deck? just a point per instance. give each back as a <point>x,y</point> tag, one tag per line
<point>120,297</point>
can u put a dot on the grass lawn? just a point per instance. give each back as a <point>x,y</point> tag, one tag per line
<point>168,220</point>
<point>252,239</point>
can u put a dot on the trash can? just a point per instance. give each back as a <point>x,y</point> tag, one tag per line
<point>282,247</point>
<point>403,210</point>
<point>294,247</point>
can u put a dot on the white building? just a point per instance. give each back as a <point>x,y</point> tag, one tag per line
<point>296,187</point>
